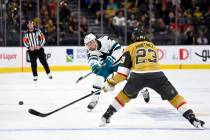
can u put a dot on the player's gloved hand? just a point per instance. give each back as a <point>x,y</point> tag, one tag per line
<point>109,61</point>
<point>95,67</point>
<point>108,86</point>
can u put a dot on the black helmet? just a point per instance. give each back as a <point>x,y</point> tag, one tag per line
<point>138,35</point>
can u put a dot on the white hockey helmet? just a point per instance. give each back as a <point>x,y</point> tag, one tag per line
<point>89,38</point>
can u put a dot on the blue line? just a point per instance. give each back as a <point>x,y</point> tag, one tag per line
<point>100,129</point>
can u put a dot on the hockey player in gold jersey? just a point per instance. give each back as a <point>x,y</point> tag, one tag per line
<point>140,62</point>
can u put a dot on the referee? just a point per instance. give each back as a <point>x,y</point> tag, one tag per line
<point>34,41</point>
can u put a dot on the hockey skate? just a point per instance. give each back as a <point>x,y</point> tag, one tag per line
<point>93,103</point>
<point>146,96</point>
<point>104,121</point>
<point>49,76</point>
<point>35,79</point>
<point>190,116</point>
<point>196,123</point>
<point>107,115</point>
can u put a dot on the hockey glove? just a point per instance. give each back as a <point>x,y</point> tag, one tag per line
<point>108,86</point>
<point>95,67</point>
<point>109,61</point>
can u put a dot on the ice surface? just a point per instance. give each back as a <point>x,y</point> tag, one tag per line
<point>136,121</point>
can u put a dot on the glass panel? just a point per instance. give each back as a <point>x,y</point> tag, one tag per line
<point>66,22</point>
<point>2,9</point>
<point>12,23</point>
<point>28,10</point>
<point>47,20</point>
<point>70,16</point>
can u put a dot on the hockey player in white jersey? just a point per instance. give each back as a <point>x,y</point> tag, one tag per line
<point>103,56</point>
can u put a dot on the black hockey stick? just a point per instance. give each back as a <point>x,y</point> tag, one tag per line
<point>83,77</point>
<point>39,114</point>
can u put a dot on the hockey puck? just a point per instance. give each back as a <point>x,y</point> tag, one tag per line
<point>20,102</point>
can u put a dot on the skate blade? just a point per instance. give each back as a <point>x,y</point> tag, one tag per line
<point>200,127</point>
<point>102,124</point>
<point>89,110</point>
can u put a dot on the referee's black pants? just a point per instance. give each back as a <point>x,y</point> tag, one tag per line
<point>42,58</point>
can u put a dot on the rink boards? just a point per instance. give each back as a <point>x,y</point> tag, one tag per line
<point>15,59</point>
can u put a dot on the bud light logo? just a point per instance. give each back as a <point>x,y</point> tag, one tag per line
<point>69,55</point>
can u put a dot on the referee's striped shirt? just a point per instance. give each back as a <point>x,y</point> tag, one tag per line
<point>33,39</point>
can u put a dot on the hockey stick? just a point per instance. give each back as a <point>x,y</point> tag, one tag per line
<point>83,77</point>
<point>39,114</point>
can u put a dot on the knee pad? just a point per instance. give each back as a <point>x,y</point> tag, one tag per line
<point>99,82</point>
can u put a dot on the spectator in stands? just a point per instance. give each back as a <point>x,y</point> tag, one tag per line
<point>189,38</point>
<point>118,22</point>
<point>95,7</point>
<point>201,39</point>
<point>12,12</point>
<point>73,24</point>
<point>83,26</point>
<point>51,32</point>
<point>134,8</point>
<point>64,11</point>
<point>133,22</point>
<point>170,18</point>
<point>110,11</point>
<point>207,13</point>
<point>197,13</point>
<point>53,7</point>
<point>144,21</point>
<point>159,26</point>
<point>44,14</point>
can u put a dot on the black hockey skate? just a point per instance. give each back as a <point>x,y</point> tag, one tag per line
<point>146,95</point>
<point>193,120</point>
<point>35,79</point>
<point>49,76</point>
<point>107,115</point>
<point>197,123</point>
<point>93,102</point>
<point>92,105</point>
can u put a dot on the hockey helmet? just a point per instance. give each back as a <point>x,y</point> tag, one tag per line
<point>138,35</point>
<point>89,38</point>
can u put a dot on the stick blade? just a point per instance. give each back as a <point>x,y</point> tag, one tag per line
<point>36,113</point>
<point>79,79</point>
